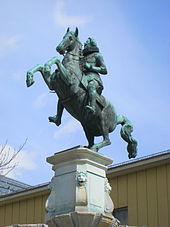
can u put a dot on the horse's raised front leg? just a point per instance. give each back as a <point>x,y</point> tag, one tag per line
<point>64,73</point>
<point>44,72</point>
<point>30,74</point>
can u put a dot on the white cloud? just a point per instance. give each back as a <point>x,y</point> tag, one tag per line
<point>25,160</point>
<point>7,44</point>
<point>41,100</point>
<point>71,127</point>
<point>62,19</point>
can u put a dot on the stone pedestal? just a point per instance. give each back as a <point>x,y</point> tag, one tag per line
<point>79,190</point>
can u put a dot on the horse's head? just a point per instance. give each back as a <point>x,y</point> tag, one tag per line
<point>69,41</point>
<point>29,80</point>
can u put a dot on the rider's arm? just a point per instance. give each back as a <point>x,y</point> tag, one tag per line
<point>100,66</point>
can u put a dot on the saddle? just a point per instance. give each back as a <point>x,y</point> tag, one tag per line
<point>99,98</point>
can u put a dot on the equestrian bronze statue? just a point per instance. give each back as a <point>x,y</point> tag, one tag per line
<point>78,85</point>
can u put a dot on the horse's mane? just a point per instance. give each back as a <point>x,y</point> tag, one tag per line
<point>80,53</point>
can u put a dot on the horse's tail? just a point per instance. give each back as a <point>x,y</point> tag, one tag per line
<point>125,133</point>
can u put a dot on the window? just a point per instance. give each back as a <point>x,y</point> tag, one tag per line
<point>122,215</point>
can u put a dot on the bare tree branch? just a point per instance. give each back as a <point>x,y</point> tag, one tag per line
<point>7,158</point>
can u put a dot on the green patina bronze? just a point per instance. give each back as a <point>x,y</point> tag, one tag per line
<point>78,85</point>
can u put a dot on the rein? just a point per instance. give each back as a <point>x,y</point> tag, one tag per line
<point>77,58</point>
<point>75,55</point>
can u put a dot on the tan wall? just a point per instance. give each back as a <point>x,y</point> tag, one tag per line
<point>146,193</point>
<point>28,210</point>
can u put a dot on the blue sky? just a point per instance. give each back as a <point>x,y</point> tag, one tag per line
<point>134,38</point>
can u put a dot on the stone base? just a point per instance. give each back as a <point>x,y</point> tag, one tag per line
<point>102,224</point>
<point>81,219</point>
<point>79,190</point>
<point>28,225</point>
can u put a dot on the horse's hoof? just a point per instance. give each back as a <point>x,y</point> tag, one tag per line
<point>55,120</point>
<point>29,83</point>
<point>94,148</point>
<point>58,122</point>
<point>51,119</point>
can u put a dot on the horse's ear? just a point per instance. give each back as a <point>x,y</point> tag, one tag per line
<point>68,29</point>
<point>76,32</point>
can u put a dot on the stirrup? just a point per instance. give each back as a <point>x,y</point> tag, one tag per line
<point>90,108</point>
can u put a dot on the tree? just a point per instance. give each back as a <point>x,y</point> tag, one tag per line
<point>7,158</point>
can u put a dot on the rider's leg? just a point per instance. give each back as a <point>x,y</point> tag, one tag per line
<point>92,87</point>
<point>57,118</point>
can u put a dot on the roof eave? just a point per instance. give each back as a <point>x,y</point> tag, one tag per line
<point>138,165</point>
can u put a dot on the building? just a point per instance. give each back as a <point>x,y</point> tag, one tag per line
<point>142,186</point>
<point>140,192</point>
<point>8,185</point>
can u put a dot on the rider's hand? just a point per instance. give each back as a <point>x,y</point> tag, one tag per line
<point>87,66</point>
<point>47,68</point>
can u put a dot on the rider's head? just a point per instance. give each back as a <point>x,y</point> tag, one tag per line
<point>90,46</point>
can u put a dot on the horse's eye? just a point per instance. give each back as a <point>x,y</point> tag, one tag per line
<point>70,38</point>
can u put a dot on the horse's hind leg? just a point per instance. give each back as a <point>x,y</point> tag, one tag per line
<point>106,140</point>
<point>90,138</point>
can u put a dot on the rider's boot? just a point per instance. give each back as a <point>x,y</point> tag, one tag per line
<point>55,119</point>
<point>92,101</point>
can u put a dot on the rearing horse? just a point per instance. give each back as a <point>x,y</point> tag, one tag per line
<point>70,84</point>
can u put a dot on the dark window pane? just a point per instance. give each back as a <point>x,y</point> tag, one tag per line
<point>122,215</point>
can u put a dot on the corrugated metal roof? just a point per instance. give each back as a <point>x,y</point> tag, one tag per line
<point>140,159</point>
<point>9,185</point>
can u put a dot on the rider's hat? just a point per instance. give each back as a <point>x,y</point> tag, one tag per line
<point>90,46</point>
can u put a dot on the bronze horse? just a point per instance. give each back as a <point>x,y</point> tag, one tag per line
<point>69,83</point>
